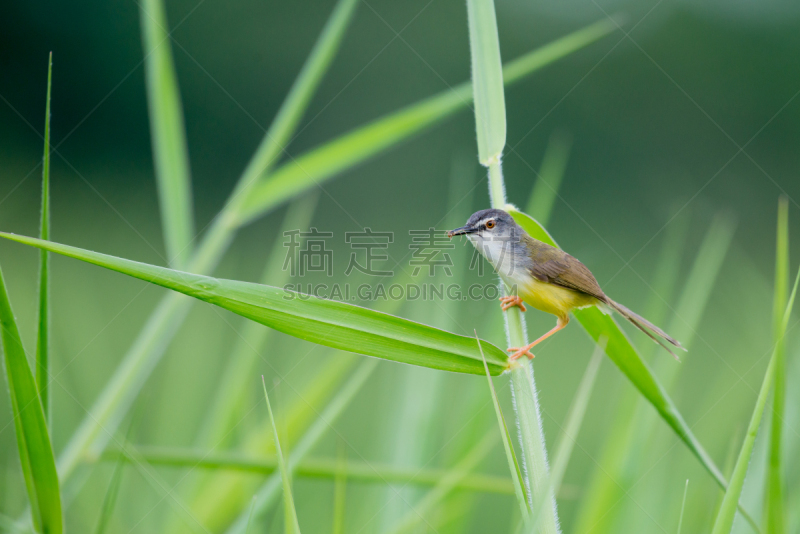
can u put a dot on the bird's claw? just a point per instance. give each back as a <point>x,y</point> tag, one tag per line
<point>518,353</point>
<point>511,301</point>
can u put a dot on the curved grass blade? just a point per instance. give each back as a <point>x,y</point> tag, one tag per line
<point>168,135</point>
<point>150,345</point>
<point>776,516</point>
<point>289,513</point>
<point>35,450</point>
<point>545,190</point>
<point>326,322</point>
<point>348,150</point>
<point>43,332</point>
<point>727,511</point>
<point>511,456</point>
<point>623,354</point>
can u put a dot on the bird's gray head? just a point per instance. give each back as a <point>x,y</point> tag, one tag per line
<point>497,237</point>
<point>490,225</point>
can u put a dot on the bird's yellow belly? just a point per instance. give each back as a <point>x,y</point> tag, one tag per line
<point>553,299</point>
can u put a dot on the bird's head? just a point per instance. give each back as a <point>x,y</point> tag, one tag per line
<point>488,225</point>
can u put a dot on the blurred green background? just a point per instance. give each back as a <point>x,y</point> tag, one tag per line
<point>694,114</point>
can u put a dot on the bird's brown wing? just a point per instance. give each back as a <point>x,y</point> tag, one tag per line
<point>554,266</point>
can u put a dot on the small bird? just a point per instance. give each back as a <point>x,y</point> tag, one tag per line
<point>543,276</point>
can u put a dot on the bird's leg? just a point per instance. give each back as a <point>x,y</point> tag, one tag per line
<point>562,322</point>
<point>511,301</point>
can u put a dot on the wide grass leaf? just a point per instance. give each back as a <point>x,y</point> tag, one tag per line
<point>727,511</point>
<point>33,440</point>
<point>624,355</point>
<point>326,322</point>
<point>43,332</point>
<point>348,150</point>
<point>168,135</point>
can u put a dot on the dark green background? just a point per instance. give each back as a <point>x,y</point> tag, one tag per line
<point>657,122</point>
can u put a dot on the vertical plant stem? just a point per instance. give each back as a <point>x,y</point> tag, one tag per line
<point>776,516</point>
<point>526,398</point>
<point>490,129</point>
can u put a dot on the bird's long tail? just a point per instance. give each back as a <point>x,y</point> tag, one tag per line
<point>654,332</point>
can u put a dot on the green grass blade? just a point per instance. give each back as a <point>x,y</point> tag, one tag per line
<point>289,513</point>
<point>35,450</point>
<point>446,485</point>
<point>622,353</point>
<point>326,322</point>
<point>683,506</point>
<point>570,432</point>
<point>727,511</point>
<point>43,332</point>
<point>168,135</point>
<point>487,80</point>
<point>545,189</point>
<point>776,516</point>
<point>344,152</point>
<point>315,468</point>
<point>347,392</point>
<point>508,447</point>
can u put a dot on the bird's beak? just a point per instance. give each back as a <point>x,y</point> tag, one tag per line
<point>464,230</point>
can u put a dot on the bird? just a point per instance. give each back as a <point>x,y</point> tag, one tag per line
<point>543,276</point>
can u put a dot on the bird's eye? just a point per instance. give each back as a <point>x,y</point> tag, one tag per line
<point>490,224</point>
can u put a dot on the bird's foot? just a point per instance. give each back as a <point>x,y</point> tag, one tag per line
<point>519,353</point>
<point>511,301</point>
